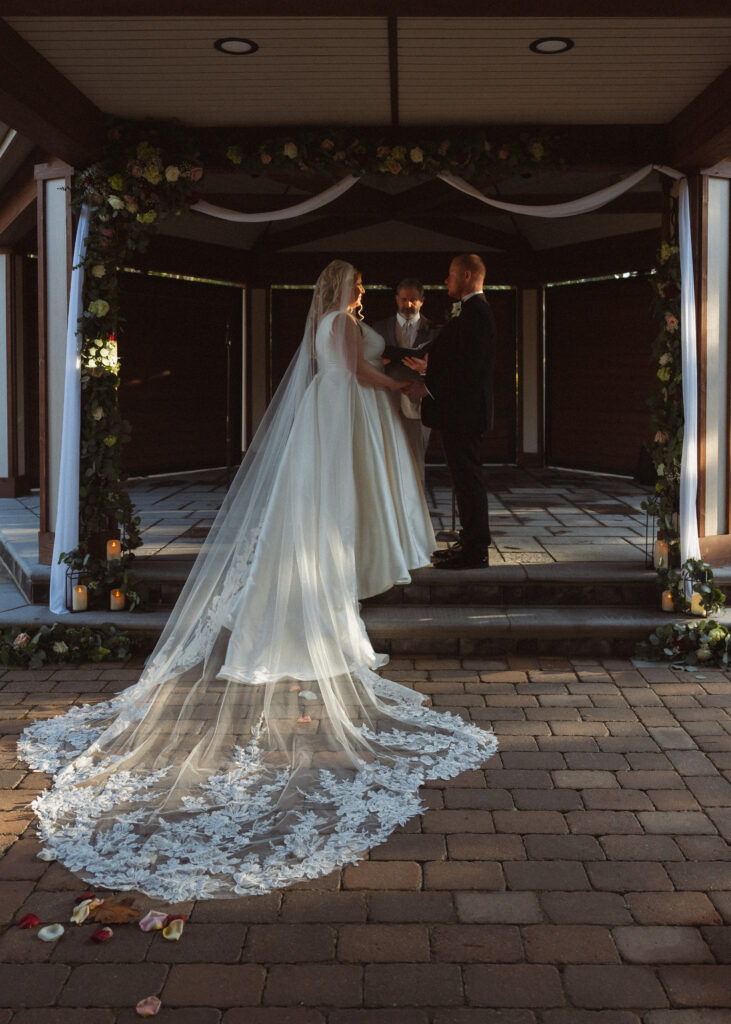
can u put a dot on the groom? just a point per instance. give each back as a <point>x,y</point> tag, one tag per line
<point>457,399</point>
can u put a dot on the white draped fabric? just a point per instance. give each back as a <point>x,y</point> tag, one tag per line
<point>306,206</point>
<point>68,499</point>
<point>67,511</point>
<point>688,520</point>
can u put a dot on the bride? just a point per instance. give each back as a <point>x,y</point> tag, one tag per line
<point>260,747</point>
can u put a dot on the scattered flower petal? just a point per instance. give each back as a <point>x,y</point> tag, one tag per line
<point>51,932</point>
<point>295,688</point>
<point>148,1007</point>
<point>153,921</point>
<point>29,921</point>
<point>308,695</point>
<point>84,896</point>
<point>304,718</point>
<point>47,855</point>
<point>174,929</point>
<point>82,910</point>
<point>102,934</point>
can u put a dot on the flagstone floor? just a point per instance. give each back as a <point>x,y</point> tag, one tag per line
<point>537,516</point>
<point>581,877</point>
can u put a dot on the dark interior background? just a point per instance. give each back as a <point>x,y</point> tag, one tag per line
<point>173,372</point>
<point>599,371</point>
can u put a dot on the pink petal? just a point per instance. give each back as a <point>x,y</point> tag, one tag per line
<point>153,921</point>
<point>148,1007</point>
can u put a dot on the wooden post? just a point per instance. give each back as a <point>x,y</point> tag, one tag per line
<point>531,378</point>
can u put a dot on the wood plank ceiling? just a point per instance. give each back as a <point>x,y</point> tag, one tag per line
<point>311,70</point>
<point>408,71</point>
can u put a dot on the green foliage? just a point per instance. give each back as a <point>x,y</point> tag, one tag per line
<point>666,400</point>
<point>705,642</point>
<point>700,576</point>
<point>146,174</point>
<point>335,152</point>
<point>59,643</point>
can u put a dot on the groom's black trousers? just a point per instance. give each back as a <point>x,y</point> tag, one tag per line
<point>462,452</point>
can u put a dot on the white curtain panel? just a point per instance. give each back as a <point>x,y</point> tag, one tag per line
<point>689,545</point>
<point>67,510</point>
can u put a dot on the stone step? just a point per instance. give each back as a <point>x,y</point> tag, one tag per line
<point>458,630</point>
<point>552,583</point>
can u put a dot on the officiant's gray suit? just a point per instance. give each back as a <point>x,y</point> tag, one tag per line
<point>409,409</point>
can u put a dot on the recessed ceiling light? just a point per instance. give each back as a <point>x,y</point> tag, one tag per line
<point>551,45</point>
<point>236,46</point>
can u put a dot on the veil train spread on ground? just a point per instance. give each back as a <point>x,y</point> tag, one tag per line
<point>260,747</point>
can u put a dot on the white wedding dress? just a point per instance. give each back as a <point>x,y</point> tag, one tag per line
<point>260,747</point>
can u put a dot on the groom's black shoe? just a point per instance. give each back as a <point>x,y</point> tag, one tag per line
<point>442,553</point>
<point>464,559</point>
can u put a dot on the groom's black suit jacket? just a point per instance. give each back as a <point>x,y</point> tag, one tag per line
<point>460,372</point>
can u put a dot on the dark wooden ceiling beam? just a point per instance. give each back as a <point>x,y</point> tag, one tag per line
<point>45,107</point>
<point>470,232</point>
<point>375,8</point>
<point>700,135</point>
<point>18,213</point>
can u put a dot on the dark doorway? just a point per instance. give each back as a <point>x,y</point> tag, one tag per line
<point>173,372</point>
<point>599,369</point>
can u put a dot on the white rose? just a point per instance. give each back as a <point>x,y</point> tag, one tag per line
<point>115,202</point>
<point>60,647</point>
<point>172,173</point>
<point>98,413</point>
<point>417,155</point>
<point>290,150</point>
<point>98,270</point>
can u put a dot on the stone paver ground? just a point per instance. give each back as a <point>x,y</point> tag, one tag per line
<point>582,877</point>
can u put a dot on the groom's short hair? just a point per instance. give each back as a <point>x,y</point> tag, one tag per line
<point>411,282</point>
<point>472,262</point>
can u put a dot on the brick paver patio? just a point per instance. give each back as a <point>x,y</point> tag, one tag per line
<point>582,878</point>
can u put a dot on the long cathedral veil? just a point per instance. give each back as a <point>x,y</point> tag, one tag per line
<point>259,747</point>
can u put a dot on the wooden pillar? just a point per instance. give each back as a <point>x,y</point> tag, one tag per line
<point>531,377</point>
<point>55,252</point>
<point>13,480</point>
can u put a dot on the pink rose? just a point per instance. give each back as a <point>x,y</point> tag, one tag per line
<point>266,158</point>
<point>196,173</point>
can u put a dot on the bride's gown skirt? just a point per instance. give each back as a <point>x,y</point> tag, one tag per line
<point>263,748</point>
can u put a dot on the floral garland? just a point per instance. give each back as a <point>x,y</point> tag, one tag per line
<point>472,155</point>
<point>137,184</point>
<point>148,172</point>
<point>666,402</point>
<point>58,644</point>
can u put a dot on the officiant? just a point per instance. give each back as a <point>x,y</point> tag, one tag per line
<point>408,329</point>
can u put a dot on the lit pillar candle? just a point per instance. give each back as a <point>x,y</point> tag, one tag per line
<point>116,600</point>
<point>696,605</point>
<point>660,554</point>
<point>114,550</point>
<point>79,598</point>
<point>667,601</point>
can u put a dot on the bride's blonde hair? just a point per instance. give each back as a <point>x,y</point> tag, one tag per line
<point>337,276</point>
